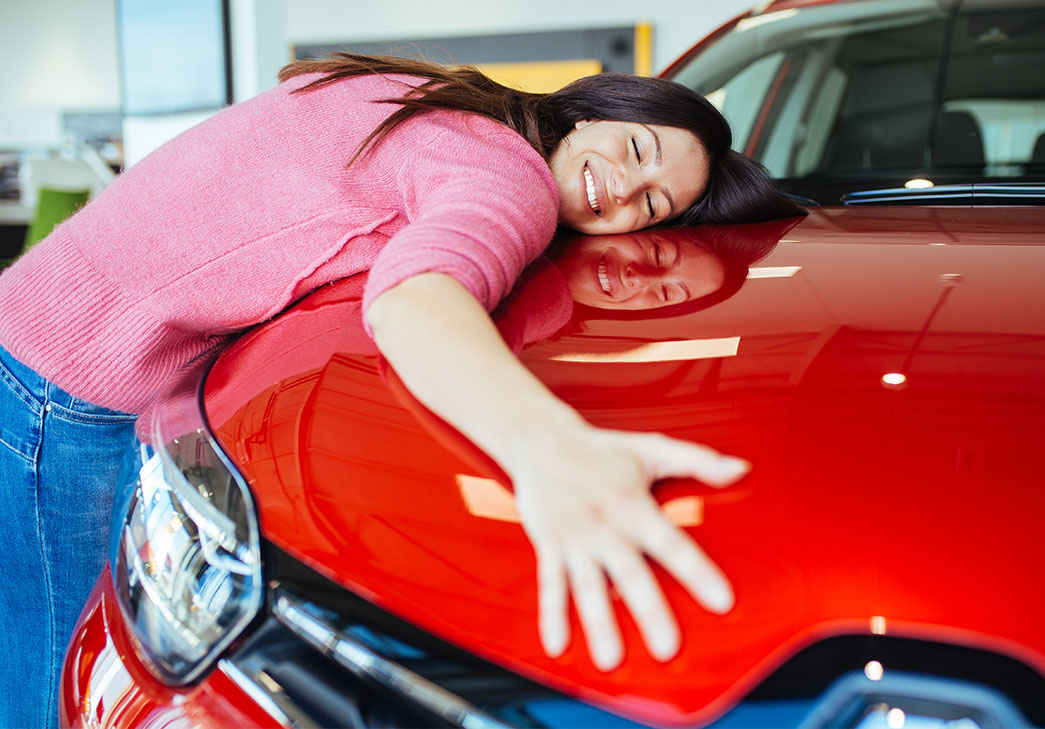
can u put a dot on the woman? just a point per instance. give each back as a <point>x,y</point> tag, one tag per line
<point>444,201</point>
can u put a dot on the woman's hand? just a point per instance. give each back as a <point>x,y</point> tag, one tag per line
<point>585,503</point>
<point>582,492</point>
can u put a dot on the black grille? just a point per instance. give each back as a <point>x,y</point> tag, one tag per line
<point>323,692</point>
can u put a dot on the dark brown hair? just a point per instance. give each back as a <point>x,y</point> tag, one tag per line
<point>739,189</point>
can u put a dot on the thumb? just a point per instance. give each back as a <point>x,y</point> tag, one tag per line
<point>667,457</point>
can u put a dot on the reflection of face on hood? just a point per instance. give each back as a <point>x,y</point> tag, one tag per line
<point>649,274</point>
<point>664,271</point>
<point>639,271</point>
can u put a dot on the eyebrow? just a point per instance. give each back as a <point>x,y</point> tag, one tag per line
<point>682,284</point>
<point>674,263</point>
<point>664,190</point>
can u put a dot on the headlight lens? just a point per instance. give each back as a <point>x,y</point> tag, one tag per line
<point>187,568</point>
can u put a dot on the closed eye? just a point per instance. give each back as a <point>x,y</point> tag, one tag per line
<point>649,206</point>
<point>635,146</point>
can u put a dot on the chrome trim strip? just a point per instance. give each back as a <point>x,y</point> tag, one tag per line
<point>267,694</point>
<point>362,661</point>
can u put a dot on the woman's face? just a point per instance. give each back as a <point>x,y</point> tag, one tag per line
<point>617,177</point>
<point>642,271</point>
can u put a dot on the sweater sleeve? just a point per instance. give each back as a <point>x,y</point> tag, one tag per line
<point>480,203</point>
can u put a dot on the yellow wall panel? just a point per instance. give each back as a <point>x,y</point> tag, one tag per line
<point>540,76</point>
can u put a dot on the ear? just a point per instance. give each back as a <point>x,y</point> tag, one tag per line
<point>582,123</point>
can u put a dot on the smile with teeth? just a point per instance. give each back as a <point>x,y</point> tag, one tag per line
<point>589,184</point>
<point>604,276</point>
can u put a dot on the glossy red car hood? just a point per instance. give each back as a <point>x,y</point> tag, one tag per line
<point>911,509</point>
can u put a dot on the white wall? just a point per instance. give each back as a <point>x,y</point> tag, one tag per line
<point>60,55</point>
<point>57,55</point>
<point>677,24</point>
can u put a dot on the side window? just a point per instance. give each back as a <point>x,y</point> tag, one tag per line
<point>819,123</point>
<point>803,109</point>
<point>741,98</point>
<point>992,117</point>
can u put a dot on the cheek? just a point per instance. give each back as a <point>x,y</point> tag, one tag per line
<point>573,265</point>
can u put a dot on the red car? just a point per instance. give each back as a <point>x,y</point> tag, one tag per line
<point>307,546</point>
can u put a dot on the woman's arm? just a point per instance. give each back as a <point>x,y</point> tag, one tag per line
<point>582,492</point>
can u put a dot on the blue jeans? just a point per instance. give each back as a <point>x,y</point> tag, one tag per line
<point>60,463</point>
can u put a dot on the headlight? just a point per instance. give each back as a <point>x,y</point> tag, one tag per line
<point>187,565</point>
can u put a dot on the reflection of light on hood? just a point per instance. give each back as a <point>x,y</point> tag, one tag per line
<point>487,498</point>
<point>773,271</point>
<point>685,349</point>
<point>918,183</point>
<point>894,380</point>
<point>878,624</point>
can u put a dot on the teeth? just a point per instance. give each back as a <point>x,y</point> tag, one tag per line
<point>589,183</point>
<point>604,277</point>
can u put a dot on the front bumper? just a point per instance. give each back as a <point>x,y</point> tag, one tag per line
<point>105,685</point>
<point>322,656</point>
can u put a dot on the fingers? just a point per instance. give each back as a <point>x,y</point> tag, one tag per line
<point>597,521</point>
<point>591,596</point>
<point>682,557</point>
<point>666,457</point>
<point>645,601</point>
<point>553,607</point>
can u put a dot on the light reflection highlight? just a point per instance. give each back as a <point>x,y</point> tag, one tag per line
<point>874,670</point>
<point>773,271</point>
<point>685,349</point>
<point>878,624</point>
<point>756,20</point>
<point>894,380</point>
<point>486,498</point>
<point>918,183</point>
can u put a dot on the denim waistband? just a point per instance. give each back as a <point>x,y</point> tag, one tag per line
<point>36,390</point>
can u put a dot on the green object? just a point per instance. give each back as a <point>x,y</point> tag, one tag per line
<point>52,207</point>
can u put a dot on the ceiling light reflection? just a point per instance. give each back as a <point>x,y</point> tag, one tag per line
<point>487,498</point>
<point>878,624</point>
<point>895,718</point>
<point>874,670</point>
<point>682,350</point>
<point>894,380</point>
<point>773,271</point>
<point>918,183</point>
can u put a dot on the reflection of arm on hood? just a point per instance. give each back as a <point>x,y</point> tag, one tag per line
<point>327,322</point>
<point>538,306</point>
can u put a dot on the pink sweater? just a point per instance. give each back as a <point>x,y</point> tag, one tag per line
<point>228,223</point>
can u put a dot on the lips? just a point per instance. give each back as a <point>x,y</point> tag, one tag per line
<point>603,275</point>
<point>607,276</point>
<point>590,190</point>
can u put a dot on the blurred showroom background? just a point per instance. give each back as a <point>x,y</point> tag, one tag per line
<point>63,58</point>
<point>91,86</point>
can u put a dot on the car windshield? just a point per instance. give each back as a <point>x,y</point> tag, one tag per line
<point>868,94</point>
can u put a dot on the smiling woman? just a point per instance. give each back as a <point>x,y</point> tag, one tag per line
<point>622,176</point>
<point>446,196</point>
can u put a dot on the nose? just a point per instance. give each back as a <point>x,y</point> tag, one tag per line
<point>625,187</point>
<point>638,275</point>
